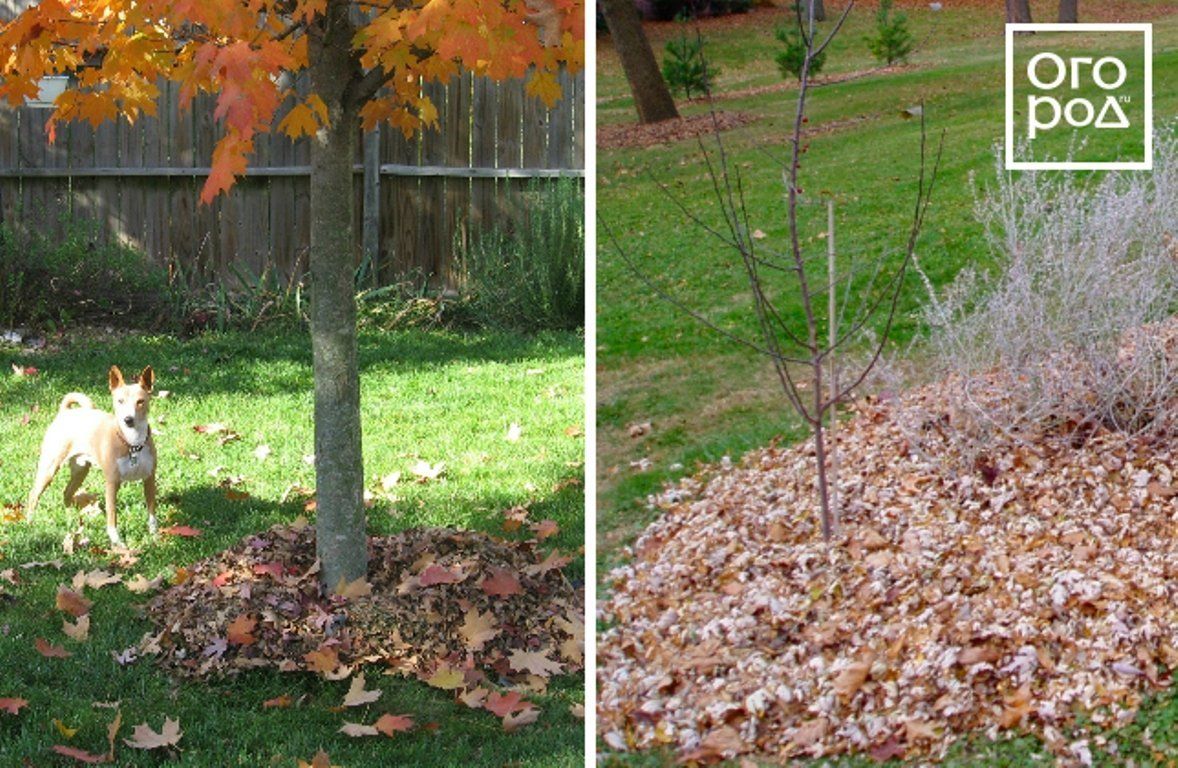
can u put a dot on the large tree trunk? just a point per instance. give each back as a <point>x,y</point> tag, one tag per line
<point>651,96</point>
<point>1018,11</point>
<point>1069,12</point>
<point>819,10</point>
<point>339,470</point>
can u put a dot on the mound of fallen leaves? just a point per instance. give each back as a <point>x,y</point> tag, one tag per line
<point>451,607</point>
<point>1007,599</point>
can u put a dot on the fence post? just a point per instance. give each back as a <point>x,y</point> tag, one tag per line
<point>371,224</point>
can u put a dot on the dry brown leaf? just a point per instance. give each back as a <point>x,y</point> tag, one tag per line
<point>142,737</point>
<point>357,696</point>
<point>50,651</point>
<point>72,603</point>
<point>535,662</point>
<point>520,719</point>
<point>79,631</point>
<point>358,729</point>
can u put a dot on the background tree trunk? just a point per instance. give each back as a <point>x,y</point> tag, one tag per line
<point>1069,12</point>
<point>819,10</point>
<point>651,96</point>
<point>342,544</point>
<point>1018,11</point>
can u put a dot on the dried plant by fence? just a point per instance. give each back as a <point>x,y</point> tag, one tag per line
<point>1061,336</point>
<point>797,344</point>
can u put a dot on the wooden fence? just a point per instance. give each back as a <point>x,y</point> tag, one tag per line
<point>413,198</point>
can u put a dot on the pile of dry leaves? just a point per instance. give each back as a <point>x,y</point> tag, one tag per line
<point>453,608</point>
<point>1006,599</point>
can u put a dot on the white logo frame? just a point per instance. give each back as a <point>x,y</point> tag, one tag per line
<point>1113,165</point>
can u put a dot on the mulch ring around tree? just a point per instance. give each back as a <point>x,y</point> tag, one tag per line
<point>667,131</point>
<point>457,609</point>
<point>1040,596</point>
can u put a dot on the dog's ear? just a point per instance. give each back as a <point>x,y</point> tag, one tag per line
<point>116,378</point>
<point>147,378</point>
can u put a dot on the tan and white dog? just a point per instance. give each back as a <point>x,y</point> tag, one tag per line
<point>120,444</point>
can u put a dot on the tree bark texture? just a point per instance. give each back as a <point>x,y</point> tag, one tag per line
<point>342,544</point>
<point>819,10</point>
<point>1069,11</point>
<point>1018,11</point>
<point>652,98</point>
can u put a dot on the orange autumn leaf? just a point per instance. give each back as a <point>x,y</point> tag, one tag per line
<point>72,603</point>
<point>505,704</point>
<point>391,725</point>
<point>280,702</point>
<point>322,659</point>
<point>50,651</point>
<point>240,631</point>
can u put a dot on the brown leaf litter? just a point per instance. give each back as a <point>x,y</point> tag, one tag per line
<point>258,604</point>
<point>1007,601</point>
<point>666,131</point>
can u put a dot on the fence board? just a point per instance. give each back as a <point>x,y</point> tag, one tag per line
<point>141,182</point>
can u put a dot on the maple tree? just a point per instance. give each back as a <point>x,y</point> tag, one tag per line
<point>364,63</point>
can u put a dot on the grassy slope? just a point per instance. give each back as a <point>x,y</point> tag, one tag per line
<point>436,397</point>
<point>706,398</point>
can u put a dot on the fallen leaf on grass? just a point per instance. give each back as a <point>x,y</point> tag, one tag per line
<point>320,760</point>
<point>501,583</point>
<point>892,748</point>
<point>447,678</point>
<point>112,731</point>
<point>424,471</point>
<point>536,662</point>
<point>13,706</point>
<point>389,481</point>
<point>145,738</point>
<point>64,729</point>
<point>577,711</point>
<point>50,651</point>
<point>513,433</point>
<point>94,579</point>
<point>80,755</point>
<point>358,729</point>
<point>505,704</point>
<point>357,696</point>
<point>390,725</point>
<point>514,518</point>
<point>72,603</point>
<point>79,631</point>
<point>182,530</point>
<point>517,721</point>
<point>280,702</point>
<point>240,631</point>
<point>262,452</point>
<point>545,528</point>
<point>474,698</point>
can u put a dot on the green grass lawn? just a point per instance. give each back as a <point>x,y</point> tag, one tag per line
<point>705,397</point>
<point>437,397</point>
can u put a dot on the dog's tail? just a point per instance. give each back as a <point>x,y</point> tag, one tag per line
<point>75,398</point>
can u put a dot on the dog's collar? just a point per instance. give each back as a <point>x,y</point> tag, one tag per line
<point>134,449</point>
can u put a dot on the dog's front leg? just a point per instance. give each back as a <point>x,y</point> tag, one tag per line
<point>149,497</point>
<point>112,492</point>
